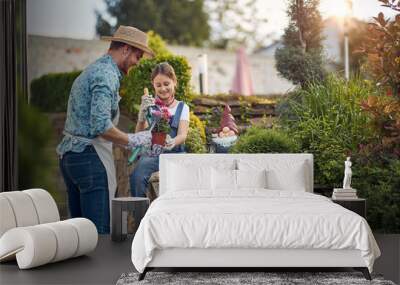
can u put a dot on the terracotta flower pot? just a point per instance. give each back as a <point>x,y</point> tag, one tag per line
<point>158,138</point>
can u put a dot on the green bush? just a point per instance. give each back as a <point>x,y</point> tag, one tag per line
<point>298,66</point>
<point>157,44</point>
<point>36,156</point>
<point>140,77</point>
<point>379,182</point>
<point>194,142</point>
<point>258,140</point>
<point>196,123</point>
<point>196,138</point>
<point>326,119</point>
<point>50,92</point>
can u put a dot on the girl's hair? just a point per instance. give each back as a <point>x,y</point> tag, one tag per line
<point>166,69</point>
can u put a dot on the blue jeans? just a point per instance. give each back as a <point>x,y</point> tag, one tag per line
<point>139,178</point>
<point>87,187</point>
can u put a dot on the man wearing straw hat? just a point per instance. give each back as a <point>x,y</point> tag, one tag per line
<point>86,158</point>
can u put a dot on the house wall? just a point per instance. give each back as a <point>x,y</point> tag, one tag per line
<point>47,54</point>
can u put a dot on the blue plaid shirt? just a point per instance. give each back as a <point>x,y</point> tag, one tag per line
<point>92,104</point>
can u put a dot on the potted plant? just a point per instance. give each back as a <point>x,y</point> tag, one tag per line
<point>161,128</point>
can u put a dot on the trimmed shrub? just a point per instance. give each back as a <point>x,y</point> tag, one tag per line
<point>194,142</point>
<point>258,140</point>
<point>196,138</point>
<point>140,77</point>
<point>298,66</point>
<point>50,92</point>
<point>196,123</point>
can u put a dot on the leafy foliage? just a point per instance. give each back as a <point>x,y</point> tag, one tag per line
<point>300,60</point>
<point>157,44</point>
<point>382,49</point>
<point>194,142</point>
<point>140,77</point>
<point>326,120</point>
<point>178,21</point>
<point>236,23</point>
<point>36,157</point>
<point>379,182</point>
<point>196,138</point>
<point>385,114</point>
<point>298,66</point>
<point>50,92</point>
<point>196,123</point>
<point>258,140</point>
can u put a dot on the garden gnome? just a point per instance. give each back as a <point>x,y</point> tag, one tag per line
<point>227,124</point>
<point>347,174</point>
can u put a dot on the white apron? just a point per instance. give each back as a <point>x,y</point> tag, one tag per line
<point>104,150</point>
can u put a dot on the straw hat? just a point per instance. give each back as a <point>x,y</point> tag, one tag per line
<point>133,37</point>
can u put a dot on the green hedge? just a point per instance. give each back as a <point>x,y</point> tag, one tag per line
<point>140,77</point>
<point>50,92</point>
<point>259,140</point>
<point>37,161</point>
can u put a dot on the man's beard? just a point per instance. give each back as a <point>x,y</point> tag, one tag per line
<point>126,67</point>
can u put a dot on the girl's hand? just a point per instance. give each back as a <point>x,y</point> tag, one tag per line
<point>146,101</point>
<point>169,143</point>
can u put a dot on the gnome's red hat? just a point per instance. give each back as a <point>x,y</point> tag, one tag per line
<point>227,120</point>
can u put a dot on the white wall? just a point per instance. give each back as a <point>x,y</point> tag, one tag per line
<point>47,54</point>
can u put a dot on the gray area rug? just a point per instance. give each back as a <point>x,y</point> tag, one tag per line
<point>269,278</point>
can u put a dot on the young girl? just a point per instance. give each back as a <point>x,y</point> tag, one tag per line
<point>164,82</point>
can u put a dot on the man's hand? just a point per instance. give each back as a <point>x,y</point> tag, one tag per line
<point>139,139</point>
<point>169,143</point>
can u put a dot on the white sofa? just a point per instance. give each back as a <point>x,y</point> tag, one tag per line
<point>31,231</point>
<point>247,210</point>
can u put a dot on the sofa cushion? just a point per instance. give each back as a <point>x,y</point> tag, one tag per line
<point>34,244</point>
<point>7,220</point>
<point>23,208</point>
<point>26,208</point>
<point>45,205</point>
<point>40,244</point>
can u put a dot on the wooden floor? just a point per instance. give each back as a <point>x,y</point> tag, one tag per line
<point>110,259</point>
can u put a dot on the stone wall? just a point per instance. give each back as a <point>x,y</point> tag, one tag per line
<point>245,112</point>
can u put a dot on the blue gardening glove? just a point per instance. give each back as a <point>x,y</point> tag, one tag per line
<point>169,143</point>
<point>139,139</point>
